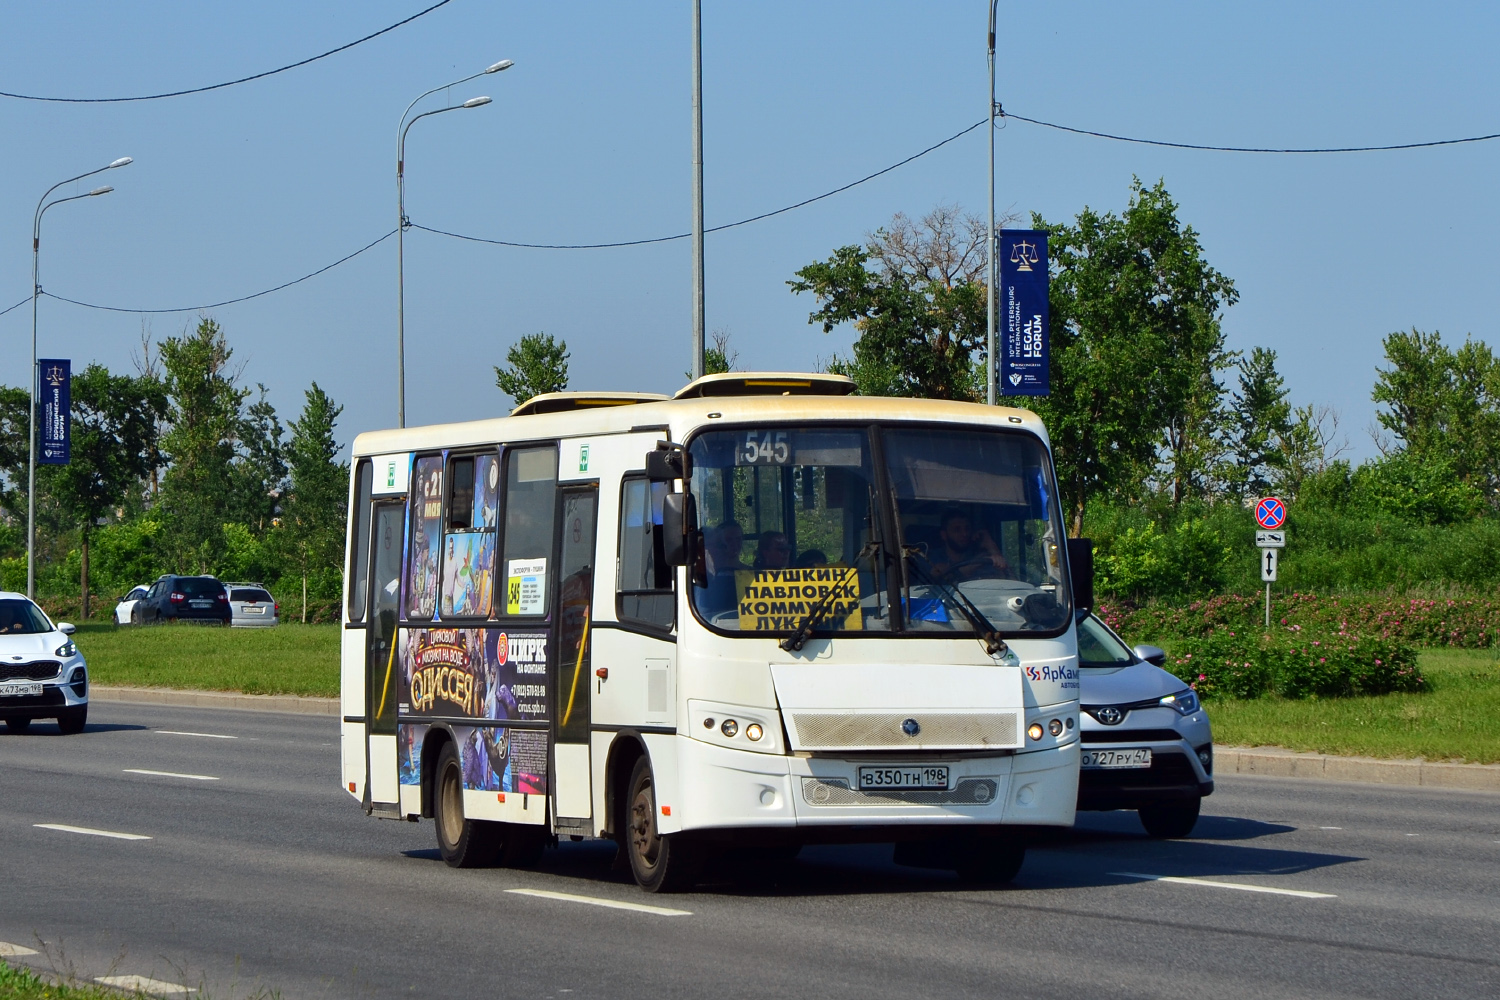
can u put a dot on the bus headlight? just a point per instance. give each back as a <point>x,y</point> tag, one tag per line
<point>1034,730</point>
<point>730,727</point>
<point>754,732</point>
<point>1055,727</point>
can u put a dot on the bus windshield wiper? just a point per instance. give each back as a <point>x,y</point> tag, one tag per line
<point>983,629</point>
<point>809,622</point>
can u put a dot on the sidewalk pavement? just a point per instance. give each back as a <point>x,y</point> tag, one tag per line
<point>1270,761</point>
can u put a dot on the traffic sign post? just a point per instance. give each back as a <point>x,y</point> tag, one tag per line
<point>1270,514</point>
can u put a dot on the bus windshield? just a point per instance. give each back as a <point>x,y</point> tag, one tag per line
<point>807,521</point>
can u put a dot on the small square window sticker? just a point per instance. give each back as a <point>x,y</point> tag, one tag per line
<point>583,458</point>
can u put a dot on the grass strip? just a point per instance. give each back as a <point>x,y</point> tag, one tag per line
<point>20,983</point>
<point>287,659</point>
<point>1458,719</point>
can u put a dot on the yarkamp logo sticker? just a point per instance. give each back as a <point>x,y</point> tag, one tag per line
<point>1065,675</point>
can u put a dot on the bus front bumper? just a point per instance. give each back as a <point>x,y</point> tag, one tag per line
<point>720,788</point>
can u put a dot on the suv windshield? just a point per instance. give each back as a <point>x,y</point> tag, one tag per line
<point>22,618</point>
<point>1098,647</point>
<point>798,521</point>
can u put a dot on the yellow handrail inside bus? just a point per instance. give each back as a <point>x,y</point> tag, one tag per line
<point>583,645</point>
<point>385,687</point>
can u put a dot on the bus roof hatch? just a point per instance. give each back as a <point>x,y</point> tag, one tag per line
<point>767,384</point>
<point>559,402</point>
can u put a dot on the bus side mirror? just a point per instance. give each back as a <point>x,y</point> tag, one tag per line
<point>679,523</point>
<point>668,462</point>
<point>1081,572</point>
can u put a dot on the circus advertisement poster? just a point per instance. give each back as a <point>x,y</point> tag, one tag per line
<point>426,535</point>
<point>520,663</point>
<point>486,491</point>
<point>409,737</point>
<point>474,673</point>
<point>495,759</point>
<point>468,573</point>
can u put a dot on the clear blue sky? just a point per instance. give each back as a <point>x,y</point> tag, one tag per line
<point>589,140</point>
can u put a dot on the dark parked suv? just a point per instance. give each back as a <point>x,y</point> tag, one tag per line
<point>184,598</point>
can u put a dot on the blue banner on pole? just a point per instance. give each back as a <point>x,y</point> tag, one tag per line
<point>1023,313</point>
<point>55,389</point>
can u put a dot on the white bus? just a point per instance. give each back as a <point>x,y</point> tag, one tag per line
<point>760,613</point>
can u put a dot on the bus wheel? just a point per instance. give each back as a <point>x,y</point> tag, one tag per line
<point>463,843</point>
<point>989,860</point>
<point>659,863</point>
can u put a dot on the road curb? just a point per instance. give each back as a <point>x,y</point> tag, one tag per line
<point>291,703</point>
<point>1276,762</point>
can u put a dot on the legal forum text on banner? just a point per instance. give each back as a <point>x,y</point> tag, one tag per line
<point>55,398</point>
<point>1023,313</point>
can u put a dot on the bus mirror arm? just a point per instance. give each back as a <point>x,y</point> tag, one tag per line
<point>679,526</point>
<point>1081,572</point>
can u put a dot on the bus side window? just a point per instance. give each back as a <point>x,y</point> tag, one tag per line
<point>646,581</point>
<point>359,547</point>
<point>530,505</point>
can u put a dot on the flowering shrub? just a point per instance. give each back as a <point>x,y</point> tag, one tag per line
<point>1470,623</point>
<point>1294,663</point>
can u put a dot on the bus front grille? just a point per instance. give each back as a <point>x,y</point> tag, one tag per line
<point>902,731</point>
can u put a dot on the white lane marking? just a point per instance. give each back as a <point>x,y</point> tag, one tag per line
<point>168,774</point>
<point>613,904</point>
<point>1414,835</point>
<point>1242,886</point>
<point>144,984</point>
<point>1330,828</point>
<point>211,736</point>
<point>8,950</point>
<point>92,833</point>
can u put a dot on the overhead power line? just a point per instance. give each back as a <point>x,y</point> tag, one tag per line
<point>713,229</point>
<point>227,83</point>
<point>226,302</point>
<point>16,306</point>
<point>1253,149</point>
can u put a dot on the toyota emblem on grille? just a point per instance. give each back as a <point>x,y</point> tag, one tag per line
<point>911,727</point>
<point>1110,716</point>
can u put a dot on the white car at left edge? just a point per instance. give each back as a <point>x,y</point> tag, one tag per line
<point>42,673</point>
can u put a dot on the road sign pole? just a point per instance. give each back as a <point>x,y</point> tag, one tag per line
<point>1268,605</point>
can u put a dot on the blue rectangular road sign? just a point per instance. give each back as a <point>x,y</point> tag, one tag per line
<point>55,399</point>
<point>1023,313</point>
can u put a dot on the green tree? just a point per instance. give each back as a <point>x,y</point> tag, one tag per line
<point>1443,404</point>
<point>1262,425</point>
<point>538,364</point>
<point>1136,340</point>
<point>316,508</point>
<point>915,294</point>
<point>113,443</point>
<point>719,356</point>
<point>205,406</point>
<point>260,468</point>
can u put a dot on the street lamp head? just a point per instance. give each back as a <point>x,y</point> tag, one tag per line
<point>106,189</point>
<point>476,102</point>
<point>502,64</point>
<point>123,161</point>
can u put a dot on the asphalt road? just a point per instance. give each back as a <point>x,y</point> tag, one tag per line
<point>270,877</point>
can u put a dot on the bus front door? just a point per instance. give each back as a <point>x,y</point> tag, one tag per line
<point>381,668</point>
<point>572,804</point>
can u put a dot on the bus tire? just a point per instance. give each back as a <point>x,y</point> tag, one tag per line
<point>659,862</point>
<point>463,843</point>
<point>990,860</point>
<point>1170,820</point>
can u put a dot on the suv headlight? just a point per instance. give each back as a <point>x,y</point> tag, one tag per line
<point>1185,702</point>
<point>67,649</point>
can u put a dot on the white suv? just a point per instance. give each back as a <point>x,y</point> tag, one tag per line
<point>42,673</point>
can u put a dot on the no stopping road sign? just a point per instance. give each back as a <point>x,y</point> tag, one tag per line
<point>1270,513</point>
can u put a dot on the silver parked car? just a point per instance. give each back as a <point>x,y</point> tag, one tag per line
<point>252,606</point>
<point>42,673</point>
<point>1147,743</point>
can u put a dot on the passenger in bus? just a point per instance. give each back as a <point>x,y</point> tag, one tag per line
<point>812,558</point>
<point>966,554</point>
<point>721,549</point>
<point>773,552</point>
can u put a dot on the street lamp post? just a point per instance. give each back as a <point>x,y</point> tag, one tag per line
<point>36,290</point>
<point>989,247</point>
<point>402,127</point>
